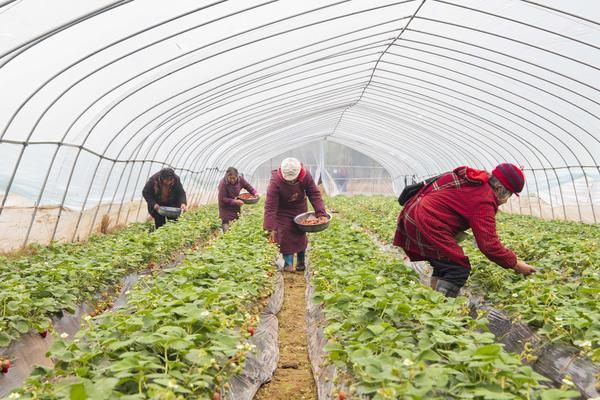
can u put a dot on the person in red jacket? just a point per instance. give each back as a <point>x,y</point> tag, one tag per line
<point>456,201</point>
<point>229,190</point>
<point>286,198</point>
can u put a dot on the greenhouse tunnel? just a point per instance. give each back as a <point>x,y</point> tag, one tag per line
<point>98,95</point>
<point>371,96</point>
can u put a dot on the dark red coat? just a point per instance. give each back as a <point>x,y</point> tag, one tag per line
<point>228,192</point>
<point>284,202</point>
<point>152,194</point>
<point>456,202</point>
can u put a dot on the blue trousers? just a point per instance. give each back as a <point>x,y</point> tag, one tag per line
<point>289,258</point>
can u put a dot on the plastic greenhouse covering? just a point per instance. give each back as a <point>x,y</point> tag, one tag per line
<point>370,94</point>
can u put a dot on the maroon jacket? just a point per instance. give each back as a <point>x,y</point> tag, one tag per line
<point>228,192</point>
<point>284,202</point>
<point>455,202</point>
<point>152,194</point>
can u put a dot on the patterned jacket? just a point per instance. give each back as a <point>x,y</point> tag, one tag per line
<point>453,203</point>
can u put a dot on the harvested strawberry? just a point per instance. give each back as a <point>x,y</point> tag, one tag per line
<point>246,196</point>
<point>251,331</point>
<point>341,395</point>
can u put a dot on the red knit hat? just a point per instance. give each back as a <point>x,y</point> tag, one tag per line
<point>510,176</point>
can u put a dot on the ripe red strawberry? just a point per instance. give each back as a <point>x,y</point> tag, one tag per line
<point>5,366</point>
<point>216,396</point>
<point>44,333</point>
<point>251,330</point>
<point>341,395</point>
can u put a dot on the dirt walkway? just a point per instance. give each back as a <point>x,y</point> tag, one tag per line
<point>293,378</point>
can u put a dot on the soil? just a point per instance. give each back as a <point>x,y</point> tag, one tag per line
<point>293,379</point>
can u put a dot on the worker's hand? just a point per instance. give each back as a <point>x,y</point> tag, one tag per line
<point>523,268</point>
<point>184,207</point>
<point>272,236</point>
<point>156,207</point>
<point>239,203</point>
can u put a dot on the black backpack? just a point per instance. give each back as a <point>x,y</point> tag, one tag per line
<point>411,190</point>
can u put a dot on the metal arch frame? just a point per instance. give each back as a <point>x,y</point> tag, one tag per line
<point>187,65</point>
<point>562,12</point>
<point>187,100</point>
<point>498,107</point>
<point>407,118</point>
<point>510,77</point>
<point>182,143</point>
<point>398,37</point>
<point>244,153</point>
<point>23,47</point>
<point>303,55</point>
<point>7,2</point>
<point>233,48</point>
<point>407,126</point>
<point>508,101</point>
<point>278,139</point>
<point>172,149</point>
<point>194,96</point>
<point>497,160</point>
<point>510,39</point>
<point>438,124</point>
<point>412,17</point>
<point>372,155</point>
<point>243,150</point>
<point>344,93</point>
<point>53,77</point>
<point>438,101</point>
<point>520,23</point>
<point>545,108</point>
<point>401,2</point>
<point>316,51</point>
<point>411,102</point>
<point>320,134</point>
<point>445,77</point>
<point>105,183</point>
<point>505,65</point>
<point>264,91</point>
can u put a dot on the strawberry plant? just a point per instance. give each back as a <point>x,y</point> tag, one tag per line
<point>398,339</point>
<point>60,276</point>
<point>560,300</point>
<point>182,334</point>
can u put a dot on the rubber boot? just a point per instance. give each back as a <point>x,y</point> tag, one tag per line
<point>448,289</point>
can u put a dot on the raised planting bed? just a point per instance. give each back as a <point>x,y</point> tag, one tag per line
<point>390,337</point>
<point>182,334</point>
<point>59,277</point>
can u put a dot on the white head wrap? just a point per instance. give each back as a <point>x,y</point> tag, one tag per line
<point>290,168</point>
